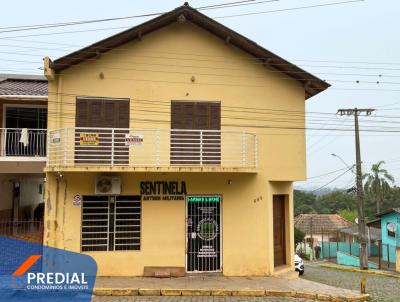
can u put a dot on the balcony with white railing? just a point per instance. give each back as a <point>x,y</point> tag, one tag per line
<point>136,149</point>
<point>20,145</point>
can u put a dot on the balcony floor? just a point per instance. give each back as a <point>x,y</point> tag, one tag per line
<point>22,159</point>
<point>170,169</point>
<point>22,165</point>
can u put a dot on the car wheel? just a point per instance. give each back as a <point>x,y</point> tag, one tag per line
<point>301,273</point>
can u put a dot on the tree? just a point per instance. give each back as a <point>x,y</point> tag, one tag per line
<point>349,215</point>
<point>298,236</point>
<point>303,202</point>
<point>335,201</point>
<point>377,183</point>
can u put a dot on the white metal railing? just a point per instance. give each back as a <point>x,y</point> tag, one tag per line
<point>22,142</point>
<point>139,147</point>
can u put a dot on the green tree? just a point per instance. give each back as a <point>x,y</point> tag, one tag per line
<point>304,202</point>
<point>335,201</point>
<point>377,184</point>
<point>298,236</point>
<point>349,215</point>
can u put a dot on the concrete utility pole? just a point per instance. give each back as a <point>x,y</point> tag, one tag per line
<point>360,193</point>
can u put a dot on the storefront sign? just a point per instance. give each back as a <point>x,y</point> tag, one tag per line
<point>89,139</point>
<point>215,198</point>
<point>133,139</point>
<point>163,190</point>
<point>77,200</point>
<point>55,138</point>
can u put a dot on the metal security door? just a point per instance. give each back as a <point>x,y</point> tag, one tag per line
<point>203,235</point>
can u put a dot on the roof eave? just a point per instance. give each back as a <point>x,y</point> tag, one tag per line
<point>311,83</point>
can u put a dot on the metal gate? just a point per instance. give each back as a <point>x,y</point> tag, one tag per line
<point>203,233</point>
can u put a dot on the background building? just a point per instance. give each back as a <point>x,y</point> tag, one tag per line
<point>23,119</point>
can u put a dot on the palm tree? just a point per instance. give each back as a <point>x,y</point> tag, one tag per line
<point>378,183</point>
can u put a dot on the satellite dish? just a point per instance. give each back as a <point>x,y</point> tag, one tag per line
<point>356,220</point>
<point>391,227</point>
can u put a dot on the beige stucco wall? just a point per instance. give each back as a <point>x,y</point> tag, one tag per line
<point>151,73</point>
<point>147,72</point>
<point>247,244</point>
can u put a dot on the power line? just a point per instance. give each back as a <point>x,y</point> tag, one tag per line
<point>289,9</point>
<point>82,22</point>
<point>209,7</point>
<point>288,114</point>
<point>326,174</point>
<point>121,48</point>
<point>328,183</point>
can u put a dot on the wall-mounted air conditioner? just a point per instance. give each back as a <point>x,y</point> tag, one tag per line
<point>108,185</point>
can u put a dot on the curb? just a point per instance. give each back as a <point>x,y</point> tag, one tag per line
<point>357,270</point>
<point>224,292</point>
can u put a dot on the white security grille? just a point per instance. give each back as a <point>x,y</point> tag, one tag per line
<point>111,223</point>
<point>127,223</point>
<point>95,223</point>
<point>203,233</point>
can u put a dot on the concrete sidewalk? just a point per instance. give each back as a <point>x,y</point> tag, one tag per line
<point>199,285</point>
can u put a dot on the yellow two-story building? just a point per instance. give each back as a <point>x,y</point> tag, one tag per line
<point>173,147</point>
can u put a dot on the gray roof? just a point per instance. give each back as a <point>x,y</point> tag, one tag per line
<point>22,84</point>
<point>396,210</point>
<point>375,233</point>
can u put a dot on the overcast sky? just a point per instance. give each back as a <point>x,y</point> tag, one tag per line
<point>365,31</point>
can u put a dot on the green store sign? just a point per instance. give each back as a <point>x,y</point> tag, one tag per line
<point>215,198</point>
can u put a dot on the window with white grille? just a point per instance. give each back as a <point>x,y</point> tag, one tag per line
<point>111,223</point>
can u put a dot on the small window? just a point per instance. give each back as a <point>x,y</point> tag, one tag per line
<point>391,229</point>
<point>111,223</point>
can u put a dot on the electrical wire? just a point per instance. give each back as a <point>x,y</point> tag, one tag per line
<point>217,6</point>
<point>333,180</point>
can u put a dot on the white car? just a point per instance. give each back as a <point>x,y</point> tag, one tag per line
<point>298,264</point>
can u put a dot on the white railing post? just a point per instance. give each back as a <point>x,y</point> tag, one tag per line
<point>243,148</point>
<point>112,147</point>
<point>47,152</point>
<point>158,147</point>
<point>2,141</point>
<point>65,146</point>
<point>201,147</point>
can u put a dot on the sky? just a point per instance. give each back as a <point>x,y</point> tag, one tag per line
<point>351,45</point>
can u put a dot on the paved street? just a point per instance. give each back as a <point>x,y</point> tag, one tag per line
<point>380,288</point>
<point>197,299</point>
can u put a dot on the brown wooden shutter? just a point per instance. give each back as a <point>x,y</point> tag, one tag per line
<point>215,116</point>
<point>123,114</point>
<point>82,113</point>
<point>186,146</point>
<point>102,113</point>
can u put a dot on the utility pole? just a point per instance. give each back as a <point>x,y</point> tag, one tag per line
<point>360,193</point>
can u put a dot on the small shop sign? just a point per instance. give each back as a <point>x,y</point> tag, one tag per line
<point>89,139</point>
<point>133,139</point>
<point>215,198</point>
<point>55,138</point>
<point>77,201</point>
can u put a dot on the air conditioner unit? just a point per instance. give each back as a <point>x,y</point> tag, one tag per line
<point>108,185</point>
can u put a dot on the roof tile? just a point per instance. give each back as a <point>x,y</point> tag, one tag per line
<point>319,223</point>
<point>23,87</point>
